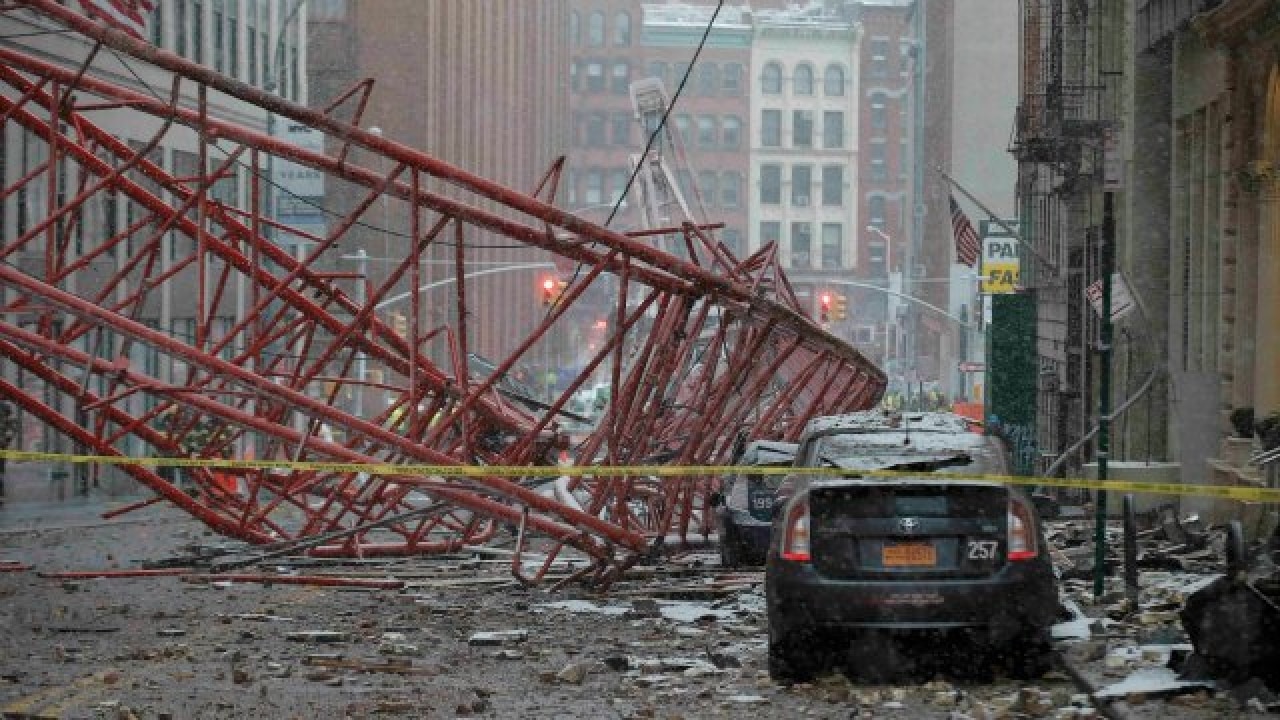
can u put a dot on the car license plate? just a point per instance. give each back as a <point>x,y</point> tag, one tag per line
<point>909,555</point>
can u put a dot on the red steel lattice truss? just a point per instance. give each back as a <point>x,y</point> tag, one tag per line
<point>699,346</point>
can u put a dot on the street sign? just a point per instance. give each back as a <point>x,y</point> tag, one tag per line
<point>1121,298</point>
<point>972,367</point>
<point>1112,161</point>
<point>1001,263</point>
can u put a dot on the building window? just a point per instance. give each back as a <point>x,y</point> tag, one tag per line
<point>731,132</point>
<point>879,57</point>
<point>832,129</point>
<point>252,55</point>
<point>833,81</point>
<point>802,83</point>
<point>595,30</point>
<point>706,132</point>
<point>622,30</point>
<point>595,77</point>
<point>197,31</point>
<point>660,70</point>
<point>219,52</point>
<point>595,187</point>
<point>770,128</point>
<point>683,124</point>
<point>770,184</point>
<point>732,79</point>
<point>618,185</point>
<point>731,189</point>
<point>233,39</point>
<point>832,246</point>
<point>801,185</point>
<point>732,240</point>
<point>684,179</point>
<point>879,162</point>
<point>157,26</point>
<point>771,79</point>
<point>709,187</point>
<point>801,239</point>
<point>879,111</point>
<point>575,76</point>
<point>621,128</point>
<point>679,71</point>
<point>621,78</point>
<point>571,187</point>
<point>180,26</point>
<point>833,185</point>
<point>770,232</point>
<point>875,210</point>
<point>708,79</point>
<point>573,28</point>
<point>595,130</point>
<point>802,128</point>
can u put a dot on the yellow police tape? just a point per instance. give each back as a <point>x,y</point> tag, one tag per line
<point>1230,492</point>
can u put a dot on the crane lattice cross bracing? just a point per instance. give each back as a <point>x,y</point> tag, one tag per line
<point>697,350</point>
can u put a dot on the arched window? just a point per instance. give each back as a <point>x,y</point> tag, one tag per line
<point>833,80</point>
<point>771,79</point>
<point>595,30</point>
<point>622,30</point>
<point>803,81</point>
<point>573,29</point>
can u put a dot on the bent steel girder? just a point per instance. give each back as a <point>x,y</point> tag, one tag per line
<point>700,353</point>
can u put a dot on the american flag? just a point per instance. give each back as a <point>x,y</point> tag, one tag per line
<point>966,238</point>
<point>127,15</point>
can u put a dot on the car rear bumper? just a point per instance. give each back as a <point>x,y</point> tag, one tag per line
<point>748,535</point>
<point>1019,596</point>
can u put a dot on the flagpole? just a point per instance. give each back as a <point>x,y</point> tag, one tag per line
<point>997,220</point>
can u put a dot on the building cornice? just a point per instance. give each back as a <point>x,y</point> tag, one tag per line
<point>1239,22</point>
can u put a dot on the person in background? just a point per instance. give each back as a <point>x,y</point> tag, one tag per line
<point>8,431</point>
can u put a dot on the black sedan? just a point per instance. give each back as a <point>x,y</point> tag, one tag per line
<point>859,562</point>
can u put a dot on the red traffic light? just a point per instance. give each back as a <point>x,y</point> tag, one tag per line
<point>548,290</point>
<point>824,307</point>
<point>548,285</point>
<point>826,300</point>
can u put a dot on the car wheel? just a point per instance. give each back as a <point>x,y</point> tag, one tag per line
<point>795,655</point>
<point>1030,654</point>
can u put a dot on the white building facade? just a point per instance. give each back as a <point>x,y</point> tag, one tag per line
<point>803,186</point>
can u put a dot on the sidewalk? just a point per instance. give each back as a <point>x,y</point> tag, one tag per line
<point>37,497</point>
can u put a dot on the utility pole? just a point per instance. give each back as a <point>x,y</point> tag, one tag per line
<point>1108,260</point>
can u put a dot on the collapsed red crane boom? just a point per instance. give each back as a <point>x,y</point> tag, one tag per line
<point>700,351</point>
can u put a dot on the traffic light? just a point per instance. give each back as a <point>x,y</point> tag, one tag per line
<point>840,310</point>
<point>400,323</point>
<point>548,291</point>
<point>824,307</point>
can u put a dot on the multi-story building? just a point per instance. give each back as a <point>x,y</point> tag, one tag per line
<point>260,42</point>
<point>478,85</point>
<point>804,179</point>
<point>1204,245</point>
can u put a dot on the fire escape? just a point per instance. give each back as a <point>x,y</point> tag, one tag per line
<point>1057,140</point>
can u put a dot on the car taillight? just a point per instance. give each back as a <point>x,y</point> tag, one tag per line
<point>1022,538</point>
<point>795,542</point>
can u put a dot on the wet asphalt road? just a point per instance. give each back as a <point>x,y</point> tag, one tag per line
<point>160,647</point>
